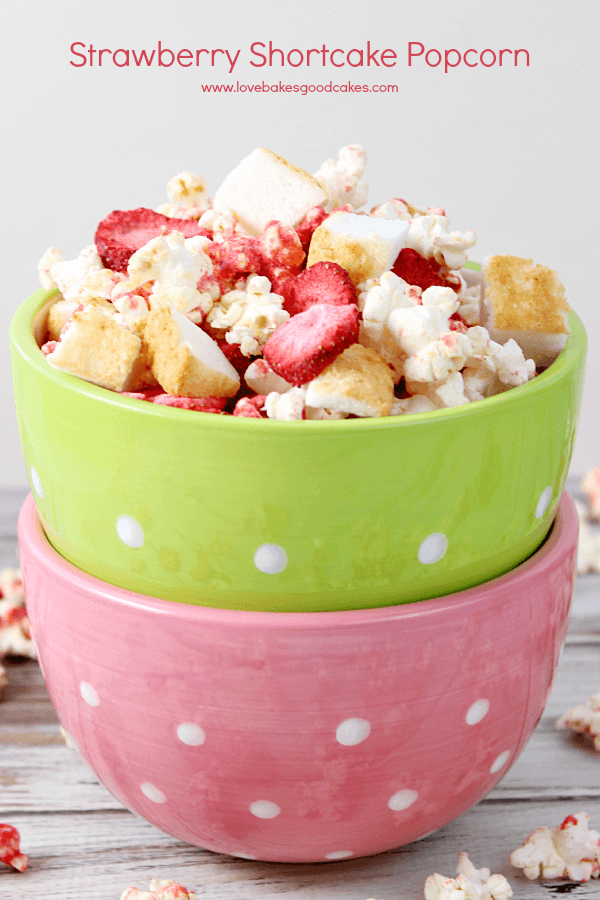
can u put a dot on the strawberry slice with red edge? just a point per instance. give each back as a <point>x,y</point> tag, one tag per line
<point>325,282</point>
<point>251,407</point>
<point>307,343</point>
<point>124,231</point>
<point>417,270</point>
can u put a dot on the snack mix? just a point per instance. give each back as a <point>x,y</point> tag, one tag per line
<point>15,634</point>
<point>584,719</point>
<point>470,884</point>
<point>283,300</point>
<point>159,890</point>
<point>569,850</point>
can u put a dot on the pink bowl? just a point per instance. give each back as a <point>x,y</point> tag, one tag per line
<point>300,737</point>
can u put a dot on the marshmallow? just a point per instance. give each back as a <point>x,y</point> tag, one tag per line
<point>358,382</point>
<point>94,347</point>
<point>525,302</point>
<point>363,245</point>
<point>263,187</point>
<point>186,362</point>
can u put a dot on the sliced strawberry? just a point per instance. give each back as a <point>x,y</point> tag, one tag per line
<point>417,270</point>
<point>307,343</point>
<point>325,282</point>
<point>280,246</point>
<point>124,231</point>
<point>251,407</point>
<point>200,404</point>
<point>309,224</point>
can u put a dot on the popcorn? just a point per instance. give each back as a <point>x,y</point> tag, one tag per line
<point>471,884</point>
<point>429,236</point>
<point>264,187</point>
<point>569,850</point>
<point>159,890</point>
<point>94,347</point>
<point>584,719</point>
<point>186,362</point>
<point>10,848</point>
<point>188,190</point>
<point>393,209</point>
<point>251,407</point>
<point>449,392</point>
<point>45,266</point>
<point>591,488</point>
<point>363,245</point>
<point>358,382</point>
<point>525,302</point>
<point>249,317</point>
<point>56,272</point>
<point>15,633</point>
<point>341,179</point>
<point>287,406</point>
<point>176,265</point>
<point>260,377</point>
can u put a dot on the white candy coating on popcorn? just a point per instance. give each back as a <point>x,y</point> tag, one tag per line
<point>584,719</point>
<point>470,884</point>
<point>159,890</point>
<point>569,850</point>
<point>249,317</point>
<point>56,272</point>
<point>287,406</point>
<point>340,179</point>
<point>263,380</point>
<point>392,209</point>
<point>188,189</point>
<point>429,236</point>
<point>175,264</point>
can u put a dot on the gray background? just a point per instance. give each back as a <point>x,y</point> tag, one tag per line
<point>510,152</point>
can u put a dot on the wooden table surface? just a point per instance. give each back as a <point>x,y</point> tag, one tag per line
<point>82,844</point>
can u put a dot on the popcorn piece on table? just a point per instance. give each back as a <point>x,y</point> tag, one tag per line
<point>302,347</point>
<point>15,633</point>
<point>250,316</point>
<point>159,890</point>
<point>325,282</point>
<point>588,547</point>
<point>263,187</point>
<point>186,362</point>
<point>10,849</point>
<point>568,850</point>
<point>364,246</point>
<point>590,486</point>
<point>94,347</point>
<point>471,884</point>
<point>340,179</point>
<point>525,302</point>
<point>584,719</point>
<point>124,231</point>
<point>358,382</point>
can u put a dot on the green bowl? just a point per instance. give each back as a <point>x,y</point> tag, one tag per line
<point>292,516</point>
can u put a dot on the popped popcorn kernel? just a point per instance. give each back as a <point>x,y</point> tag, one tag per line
<point>15,631</point>
<point>159,890</point>
<point>470,884</point>
<point>188,189</point>
<point>340,179</point>
<point>249,317</point>
<point>569,850</point>
<point>584,719</point>
<point>10,854</point>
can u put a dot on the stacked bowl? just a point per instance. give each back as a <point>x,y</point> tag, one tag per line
<point>226,612</point>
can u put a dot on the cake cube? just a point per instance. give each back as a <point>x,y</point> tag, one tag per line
<point>186,361</point>
<point>94,347</point>
<point>525,302</point>
<point>365,246</point>
<point>358,382</point>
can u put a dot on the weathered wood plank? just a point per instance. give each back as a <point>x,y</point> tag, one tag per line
<point>97,855</point>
